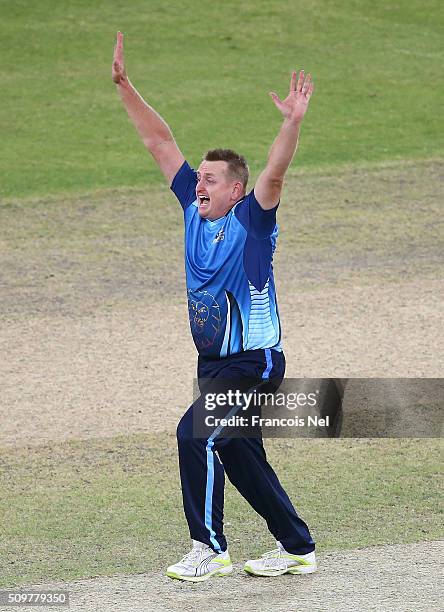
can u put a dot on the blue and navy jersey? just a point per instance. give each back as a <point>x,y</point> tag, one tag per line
<point>228,262</point>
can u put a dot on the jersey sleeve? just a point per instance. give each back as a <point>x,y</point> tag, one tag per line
<point>184,185</point>
<point>260,243</point>
<point>259,223</point>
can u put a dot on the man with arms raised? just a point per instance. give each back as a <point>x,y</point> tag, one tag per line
<point>229,243</point>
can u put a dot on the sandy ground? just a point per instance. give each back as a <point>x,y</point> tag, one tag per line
<point>104,373</point>
<point>384,579</point>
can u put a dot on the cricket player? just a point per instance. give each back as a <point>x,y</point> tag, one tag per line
<point>230,237</point>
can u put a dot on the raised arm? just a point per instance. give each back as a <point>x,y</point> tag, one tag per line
<point>153,130</point>
<point>269,184</point>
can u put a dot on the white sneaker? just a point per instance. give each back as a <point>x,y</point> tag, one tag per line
<point>279,561</point>
<point>200,564</point>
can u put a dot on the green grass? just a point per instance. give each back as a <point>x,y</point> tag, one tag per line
<point>100,507</point>
<point>208,70</point>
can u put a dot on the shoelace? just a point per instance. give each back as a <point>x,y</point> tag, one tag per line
<point>272,553</point>
<point>195,555</point>
<point>274,558</point>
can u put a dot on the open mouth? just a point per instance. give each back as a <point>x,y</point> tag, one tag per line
<point>203,200</point>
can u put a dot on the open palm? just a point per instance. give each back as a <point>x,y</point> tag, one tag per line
<point>296,103</point>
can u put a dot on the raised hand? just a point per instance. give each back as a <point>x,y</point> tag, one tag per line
<point>118,70</point>
<point>296,103</point>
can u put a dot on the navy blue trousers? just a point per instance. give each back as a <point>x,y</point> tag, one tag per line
<point>242,459</point>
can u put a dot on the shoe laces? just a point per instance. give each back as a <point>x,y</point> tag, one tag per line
<point>272,553</point>
<point>193,557</point>
<point>274,558</point>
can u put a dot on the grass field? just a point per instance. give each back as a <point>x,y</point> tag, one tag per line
<point>98,507</point>
<point>91,235</point>
<point>376,65</point>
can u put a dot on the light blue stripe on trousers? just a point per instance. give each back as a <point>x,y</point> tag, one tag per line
<point>267,371</point>
<point>209,495</point>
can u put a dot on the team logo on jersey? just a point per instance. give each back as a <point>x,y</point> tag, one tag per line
<point>205,317</point>
<point>219,236</point>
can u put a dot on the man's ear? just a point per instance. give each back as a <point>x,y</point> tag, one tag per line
<point>238,190</point>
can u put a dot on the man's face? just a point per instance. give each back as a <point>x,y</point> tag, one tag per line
<point>216,192</point>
